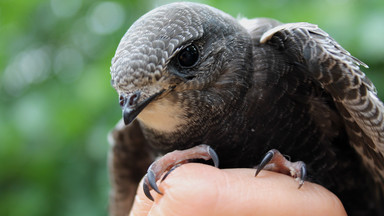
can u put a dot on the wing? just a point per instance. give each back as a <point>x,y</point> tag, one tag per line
<point>339,74</point>
<point>129,158</point>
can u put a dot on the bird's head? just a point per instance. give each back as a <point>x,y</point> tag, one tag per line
<point>175,51</point>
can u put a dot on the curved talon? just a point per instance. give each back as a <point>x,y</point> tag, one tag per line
<point>146,189</point>
<point>171,161</point>
<point>152,180</point>
<point>214,157</point>
<point>303,175</point>
<point>275,161</point>
<point>266,159</point>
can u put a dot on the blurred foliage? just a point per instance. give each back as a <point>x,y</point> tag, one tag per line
<point>57,105</point>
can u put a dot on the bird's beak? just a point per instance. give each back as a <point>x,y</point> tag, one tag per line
<point>132,107</point>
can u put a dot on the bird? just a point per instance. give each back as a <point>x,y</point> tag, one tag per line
<point>245,91</point>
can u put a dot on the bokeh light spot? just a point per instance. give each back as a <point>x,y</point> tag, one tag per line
<point>68,64</point>
<point>28,67</point>
<point>106,17</point>
<point>65,8</point>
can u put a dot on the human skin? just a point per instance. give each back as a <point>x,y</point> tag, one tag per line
<point>198,189</point>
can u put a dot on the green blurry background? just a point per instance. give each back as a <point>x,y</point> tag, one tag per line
<point>57,105</point>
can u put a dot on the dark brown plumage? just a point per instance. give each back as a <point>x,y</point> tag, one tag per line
<point>191,74</point>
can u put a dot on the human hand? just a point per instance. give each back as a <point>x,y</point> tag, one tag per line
<point>198,189</point>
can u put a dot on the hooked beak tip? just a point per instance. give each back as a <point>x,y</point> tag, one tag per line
<point>132,108</point>
<point>128,115</point>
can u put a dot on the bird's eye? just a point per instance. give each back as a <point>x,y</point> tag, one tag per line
<point>188,56</point>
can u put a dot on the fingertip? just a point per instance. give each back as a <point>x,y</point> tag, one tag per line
<point>197,189</point>
<point>179,190</point>
<point>324,201</point>
<point>141,205</point>
<point>188,191</point>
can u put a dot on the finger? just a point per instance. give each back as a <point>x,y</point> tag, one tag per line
<point>196,189</point>
<point>141,205</point>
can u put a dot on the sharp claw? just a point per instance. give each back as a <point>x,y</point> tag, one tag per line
<point>278,163</point>
<point>267,158</point>
<point>152,180</point>
<point>300,184</point>
<point>214,156</point>
<point>303,175</point>
<point>146,189</point>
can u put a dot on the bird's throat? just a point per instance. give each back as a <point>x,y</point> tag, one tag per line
<point>162,116</point>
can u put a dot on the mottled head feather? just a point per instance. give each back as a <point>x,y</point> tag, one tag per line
<point>144,62</point>
<point>149,43</point>
<point>143,53</point>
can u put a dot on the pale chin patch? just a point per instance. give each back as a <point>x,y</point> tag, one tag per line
<point>162,116</point>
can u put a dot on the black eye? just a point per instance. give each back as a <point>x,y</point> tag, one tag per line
<point>188,56</point>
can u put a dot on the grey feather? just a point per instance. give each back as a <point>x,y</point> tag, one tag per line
<point>339,74</point>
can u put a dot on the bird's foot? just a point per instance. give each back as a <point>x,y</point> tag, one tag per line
<point>172,160</point>
<point>275,161</point>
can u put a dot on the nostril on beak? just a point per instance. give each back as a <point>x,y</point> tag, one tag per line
<point>133,98</point>
<point>122,101</point>
<point>129,100</point>
<point>132,107</point>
